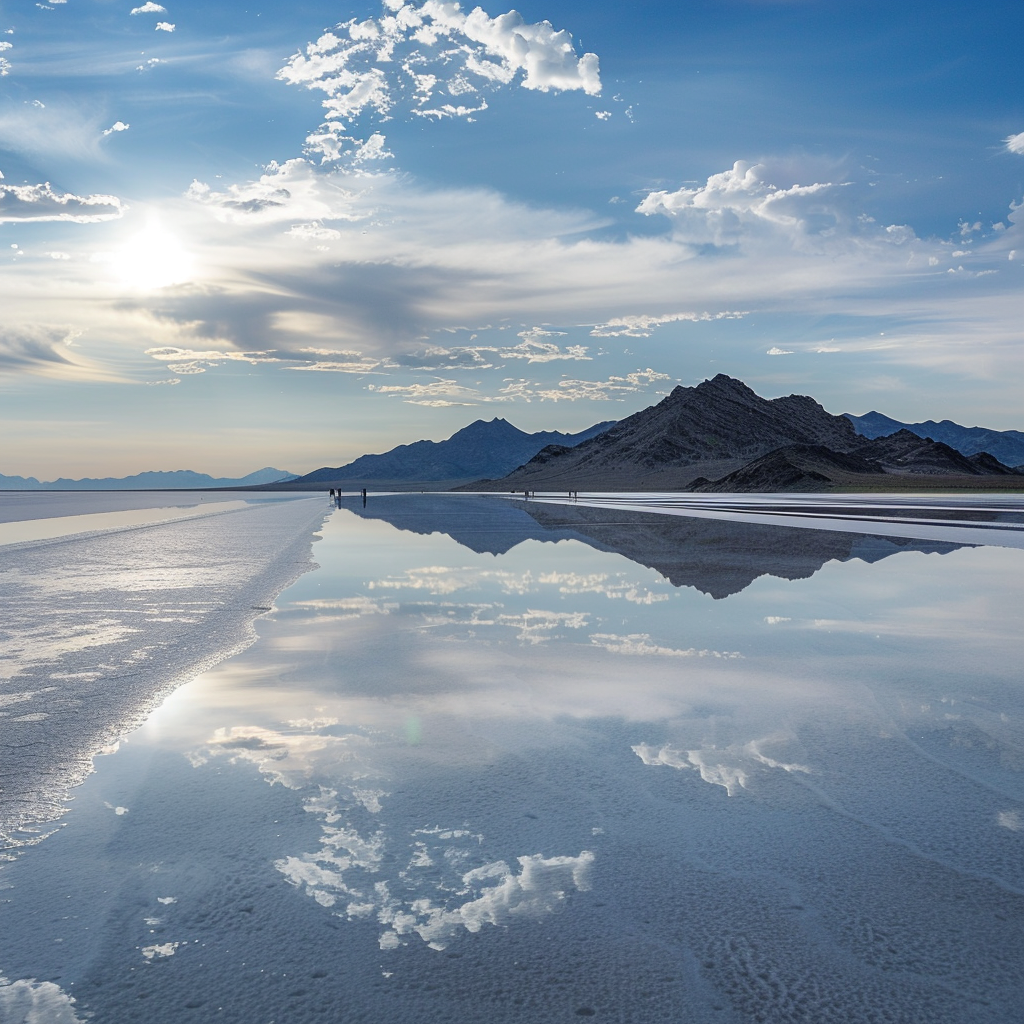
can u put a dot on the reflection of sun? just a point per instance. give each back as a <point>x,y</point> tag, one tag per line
<point>153,259</point>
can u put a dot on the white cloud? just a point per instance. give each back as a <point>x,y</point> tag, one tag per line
<point>534,348</point>
<point>117,126</point>
<point>367,67</point>
<point>642,325</point>
<point>447,392</point>
<point>612,388</point>
<point>190,361</point>
<point>776,351</point>
<point>287,191</point>
<point>164,26</point>
<point>24,203</point>
<point>149,8</point>
<point>380,264</point>
<point>742,207</point>
<point>1015,143</point>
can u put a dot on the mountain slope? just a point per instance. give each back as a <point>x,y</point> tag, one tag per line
<point>809,467</point>
<point>720,423</point>
<point>1005,445</point>
<point>483,449</point>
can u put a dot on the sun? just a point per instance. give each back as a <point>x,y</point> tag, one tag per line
<point>153,259</point>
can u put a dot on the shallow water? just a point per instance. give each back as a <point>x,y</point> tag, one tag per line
<point>493,761</point>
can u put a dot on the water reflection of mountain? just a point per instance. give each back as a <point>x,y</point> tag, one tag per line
<point>716,557</point>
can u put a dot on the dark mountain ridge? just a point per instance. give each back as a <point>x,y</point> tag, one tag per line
<point>722,436</point>
<point>720,423</point>
<point>1005,445</point>
<point>483,448</point>
<point>815,467</point>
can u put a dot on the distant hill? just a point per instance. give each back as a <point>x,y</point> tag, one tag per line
<point>181,479</point>
<point>1005,445</point>
<point>483,449</point>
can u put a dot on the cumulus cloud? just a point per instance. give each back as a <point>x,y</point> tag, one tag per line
<point>117,126</point>
<point>447,392</point>
<point>776,351</point>
<point>1015,143</point>
<point>24,203</point>
<point>642,325</point>
<point>614,387</point>
<point>535,347</point>
<point>149,8</point>
<point>438,394</point>
<point>287,191</point>
<point>432,60</point>
<point>742,207</point>
<point>164,26</point>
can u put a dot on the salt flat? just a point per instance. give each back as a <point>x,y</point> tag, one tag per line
<point>529,779</point>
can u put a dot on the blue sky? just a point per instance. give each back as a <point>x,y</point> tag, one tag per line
<point>234,236</point>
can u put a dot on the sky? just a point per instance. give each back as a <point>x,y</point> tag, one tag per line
<point>243,235</point>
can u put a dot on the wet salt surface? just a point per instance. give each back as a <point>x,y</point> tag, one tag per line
<point>546,784</point>
<point>97,627</point>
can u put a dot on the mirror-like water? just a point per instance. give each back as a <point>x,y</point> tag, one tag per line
<point>498,761</point>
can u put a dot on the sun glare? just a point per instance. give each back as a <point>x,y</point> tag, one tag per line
<point>153,259</point>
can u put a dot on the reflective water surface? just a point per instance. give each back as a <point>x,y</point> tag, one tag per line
<point>508,761</point>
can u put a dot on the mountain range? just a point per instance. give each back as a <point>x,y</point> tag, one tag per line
<point>722,436</point>
<point>483,448</point>
<point>717,436</point>
<point>182,479</point>
<point>1005,445</point>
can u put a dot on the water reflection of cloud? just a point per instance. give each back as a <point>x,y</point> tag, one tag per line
<point>640,643</point>
<point>345,607</point>
<point>441,580</point>
<point>537,625</point>
<point>34,1001</point>
<point>1011,820</point>
<point>729,767</point>
<point>433,883</point>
